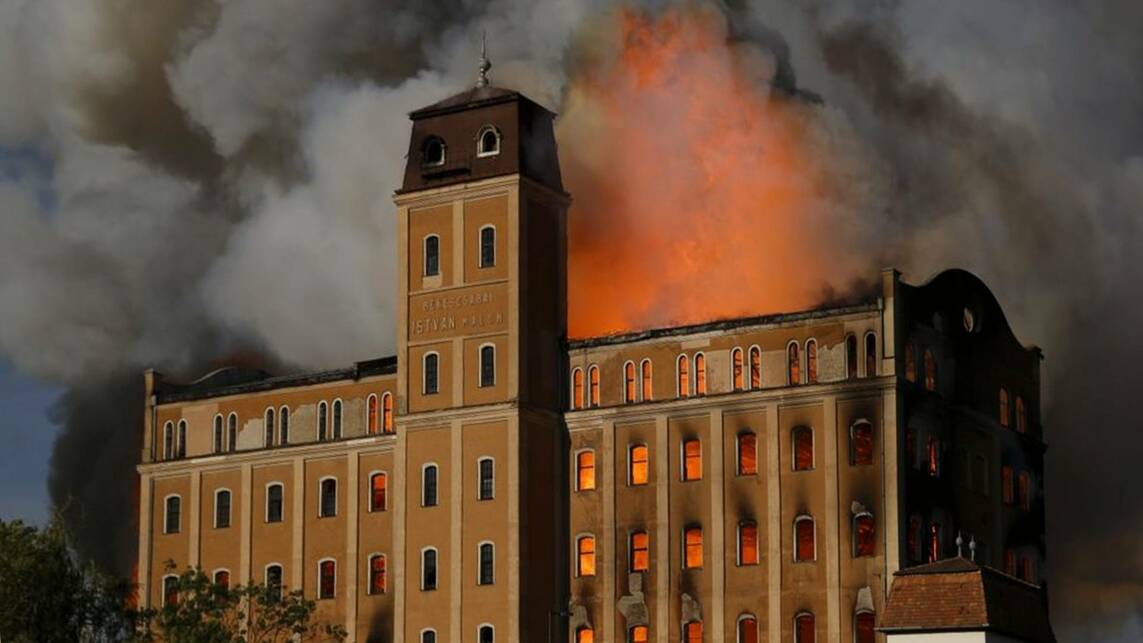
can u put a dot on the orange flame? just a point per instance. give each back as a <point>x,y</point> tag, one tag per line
<point>696,193</point>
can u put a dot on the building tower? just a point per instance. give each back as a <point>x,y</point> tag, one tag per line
<point>482,298</point>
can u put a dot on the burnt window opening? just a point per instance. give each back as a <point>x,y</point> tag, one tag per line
<point>640,551</point>
<point>747,629</point>
<point>274,503</point>
<point>1007,485</point>
<point>864,535</point>
<point>915,539</point>
<point>639,634</point>
<point>747,454</point>
<point>585,556</point>
<point>803,445</point>
<point>638,465</point>
<point>487,246</point>
<point>805,545</point>
<point>863,630</point>
<point>861,443</point>
<point>748,543</point>
<point>934,457</point>
<point>585,471</point>
<point>793,365</point>
<point>433,152</point>
<point>692,460</point>
<point>584,635</point>
<point>870,355</point>
<point>934,541</point>
<point>1021,416</point>
<point>692,632</point>
<point>811,362</point>
<point>736,375</point>
<point>377,574</point>
<point>692,547</point>
<point>487,366</point>
<point>804,629</point>
<point>851,357</point>
<point>488,142</point>
<point>1025,489</point>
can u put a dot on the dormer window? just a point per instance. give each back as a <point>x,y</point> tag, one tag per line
<point>488,142</point>
<point>433,152</point>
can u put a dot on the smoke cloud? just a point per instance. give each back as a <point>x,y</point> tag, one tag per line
<point>189,180</point>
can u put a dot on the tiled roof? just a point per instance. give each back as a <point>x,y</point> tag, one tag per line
<point>958,594</point>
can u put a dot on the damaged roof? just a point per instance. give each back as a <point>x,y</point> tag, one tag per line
<point>237,380</point>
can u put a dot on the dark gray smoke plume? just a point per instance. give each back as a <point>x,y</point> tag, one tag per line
<point>186,180</point>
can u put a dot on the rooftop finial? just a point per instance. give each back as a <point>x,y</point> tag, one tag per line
<point>972,548</point>
<point>959,544</point>
<point>485,64</point>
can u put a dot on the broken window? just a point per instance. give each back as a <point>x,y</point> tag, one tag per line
<point>170,591</point>
<point>433,152</point>
<point>864,532</point>
<point>222,579</point>
<point>861,443</point>
<point>485,634</point>
<point>934,459</point>
<point>803,438</point>
<point>488,142</point>
<point>914,539</point>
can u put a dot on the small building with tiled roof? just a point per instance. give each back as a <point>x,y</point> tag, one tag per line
<point>958,600</point>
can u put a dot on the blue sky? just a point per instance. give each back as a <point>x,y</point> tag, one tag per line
<point>28,435</point>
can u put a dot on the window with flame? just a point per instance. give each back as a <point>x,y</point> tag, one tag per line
<point>584,634</point>
<point>747,454</point>
<point>371,415</point>
<point>577,388</point>
<point>861,443</point>
<point>327,579</point>
<point>593,386</point>
<point>638,456</point>
<point>863,627</point>
<point>700,374</point>
<point>377,574</point>
<point>930,363</point>
<point>811,362</point>
<point>805,545</point>
<point>638,634</point>
<point>585,471</point>
<point>804,628</point>
<point>378,488</point>
<point>387,412</point>
<point>284,426</point>
<point>1021,416</point>
<point>692,547</point>
<point>747,542</point>
<point>629,383</point>
<point>585,556</point>
<point>683,387</point>
<point>934,457</point>
<point>648,388</point>
<point>793,365</point>
<point>864,535</point>
<point>640,551</point>
<point>1004,414</point>
<point>755,368</point>
<point>692,632</point>
<point>803,445</point>
<point>692,460</point>
<point>736,369</point>
<point>934,541</point>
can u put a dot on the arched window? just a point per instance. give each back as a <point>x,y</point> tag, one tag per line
<point>804,630</point>
<point>268,425</point>
<point>432,250</point>
<point>488,144</point>
<point>700,374</point>
<point>328,502</point>
<point>284,425</point>
<point>222,579</point>
<point>378,490</point>
<point>222,509</point>
<point>323,420</point>
<point>793,365</point>
<point>1025,488</point>
<point>805,545</point>
<point>387,412</point>
<point>863,631</point>
<point>811,362</point>
<point>648,389</point>
<point>683,370</point>
<point>1021,416</point>
<point>428,569</point>
<point>1007,485</point>
<point>170,590</point>
<point>486,554</point>
<point>870,355</point>
<point>429,485</point>
<point>640,551</point>
<point>487,365</point>
<point>851,356</point>
<point>487,246</point>
<point>692,632</point>
<point>232,432</point>
<point>692,547</point>
<point>172,519</point>
<point>337,419</point>
<point>168,441</point>
<point>218,435</point>
<point>486,482</point>
<point>934,459</point>
<point>577,388</point>
<point>747,629</point>
<point>638,634</point>
<point>864,535</point>
<point>861,443</point>
<point>274,581</point>
<point>274,499</point>
<point>915,539</point>
<point>736,369</point>
<point>910,362</point>
<point>692,459</point>
<point>629,382</point>
<point>747,542</point>
<point>327,578</point>
<point>585,471</point>
<point>429,635</point>
<point>182,446</point>
<point>747,454</point>
<point>1004,413</point>
<point>934,541</point>
<point>431,374</point>
<point>585,556</point>
<point>371,414</point>
<point>584,634</point>
<point>593,385</point>
<point>377,573</point>
<point>930,371</point>
<point>755,367</point>
<point>803,443</point>
<point>433,151</point>
<point>485,634</point>
<point>637,461</point>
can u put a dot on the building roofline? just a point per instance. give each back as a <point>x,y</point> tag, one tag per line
<point>257,382</point>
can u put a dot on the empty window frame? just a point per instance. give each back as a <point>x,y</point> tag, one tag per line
<point>640,554</point>
<point>793,365</point>
<point>851,356</point>
<point>804,628</point>
<point>274,501</point>
<point>487,365</point>
<point>593,386</point>
<point>692,547</point>
<point>637,465</point>
<point>378,571</point>
<point>629,383</point>
<point>284,426</point>
<point>585,556</point>
<point>387,412</point>
<point>811,362</point>
<point>861,443</point>
<point>378,491</point>
<point>232,432</point>
<point>486,568</point>
<point>864,535</point>
<point>700,374</point>
<point>371,419</point>
<point>430,373</point>
<point>805,539</point>
<point>487,246</point>
<point>327,500</point>
<point>747,446</point>
<point>222,509</point>
<point>274,581</point>
<point>748,543</point>
<point>871,355</point>
<point>486,479</point>
<point>428,569</point>
<point>737,370</point>
<point>432,252</point>
<point>429,474</point>
<point>802,441</point>
<point>930,364</point>
<point>648,385</point>
<point>323,421</point>
<point>747,631</point>
<point>268,427</point>
<point>327,578</point>
<point>433,151</point>
<point>577,388</point>
<point>585,470</point>
<point>172,514</point>
<point>337,419</point>
<point>683,371</point>
<point>692,459</point>
<point>755,368</point>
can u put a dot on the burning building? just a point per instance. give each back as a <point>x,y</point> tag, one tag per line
<point>754,478</point>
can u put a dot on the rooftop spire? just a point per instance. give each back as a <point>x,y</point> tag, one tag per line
<point>485,64</point>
